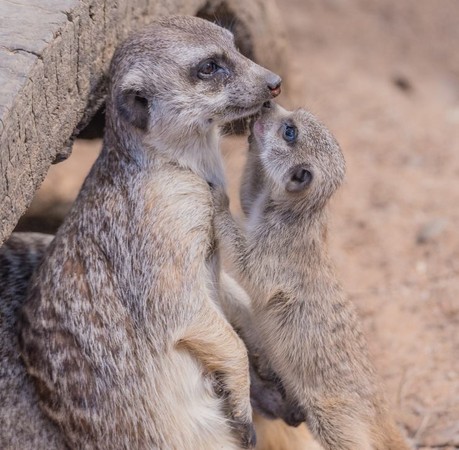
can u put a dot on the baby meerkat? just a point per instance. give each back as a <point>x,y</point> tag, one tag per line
<point>121,331</point>
<point>308,330</point>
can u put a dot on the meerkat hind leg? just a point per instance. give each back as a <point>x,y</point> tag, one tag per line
<point>336,427</point>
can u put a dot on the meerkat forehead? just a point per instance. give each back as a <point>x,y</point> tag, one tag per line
<point>312,132</point>
<point>180,38</point>
<point>197,30</point>
<point>295,133</point>
<point>164,50</point>
<point>193,24</point>
<point>312,137</point>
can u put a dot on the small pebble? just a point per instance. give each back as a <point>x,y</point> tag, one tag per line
<point>431,230</point>
<point>402,82</point>
<point>453,115</point>
<point>421,267</point>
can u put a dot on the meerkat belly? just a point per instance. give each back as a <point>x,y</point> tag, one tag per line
<point>182,231</point>
<point>192,416</point>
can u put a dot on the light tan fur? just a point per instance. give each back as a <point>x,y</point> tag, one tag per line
<point>277,435</point>
<point>309,331</point>
<point>121,332</point>
<point>265,395</point>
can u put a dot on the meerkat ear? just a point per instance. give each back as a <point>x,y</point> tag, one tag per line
<point>298,179</point>
<point>133,106</point>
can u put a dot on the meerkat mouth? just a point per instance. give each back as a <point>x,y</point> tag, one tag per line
<point>245,116</point>
<point>243,113</point>
<point>265,107</point>
<point>258,115</point>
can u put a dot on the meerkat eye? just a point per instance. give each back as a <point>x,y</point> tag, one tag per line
<point>290,133</point>
<point>207,69</point>
<point>299,179</point>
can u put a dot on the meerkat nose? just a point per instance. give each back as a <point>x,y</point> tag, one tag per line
<point>274,85</point>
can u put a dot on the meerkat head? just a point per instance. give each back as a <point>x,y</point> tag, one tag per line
<point>181,76</point>
<point>299,156</point>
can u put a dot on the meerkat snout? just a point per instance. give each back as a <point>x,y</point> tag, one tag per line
<point>274,84</point>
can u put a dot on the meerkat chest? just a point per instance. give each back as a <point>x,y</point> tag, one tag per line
<point>179,210</point>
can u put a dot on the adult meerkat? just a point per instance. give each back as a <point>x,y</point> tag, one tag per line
<point>25,426</point>
<point>309,331</point>
<point>121,318</point>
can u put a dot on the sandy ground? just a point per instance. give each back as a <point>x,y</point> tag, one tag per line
<point>384,76</point>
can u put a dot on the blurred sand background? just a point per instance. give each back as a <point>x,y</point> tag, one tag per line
<point>384,76</point>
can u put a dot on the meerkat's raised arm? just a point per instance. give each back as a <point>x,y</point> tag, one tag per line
<point>236,305</point>
<point>212,339</point>
<point>266,391</point>
<point>253,178</point>
<point>229,234</point>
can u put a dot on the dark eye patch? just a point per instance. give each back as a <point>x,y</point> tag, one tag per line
<point>207,68</point>
<point>211,67</point>
<point>290,133</point>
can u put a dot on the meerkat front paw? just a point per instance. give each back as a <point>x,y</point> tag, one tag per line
<point>267,396</point>
<point>240,414</point>
<point>241,419</point>
<point>294,414</point>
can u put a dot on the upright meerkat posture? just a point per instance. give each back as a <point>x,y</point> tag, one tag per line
<point>309,331</point>
<point>121,320</point>
<point>24,424</point>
